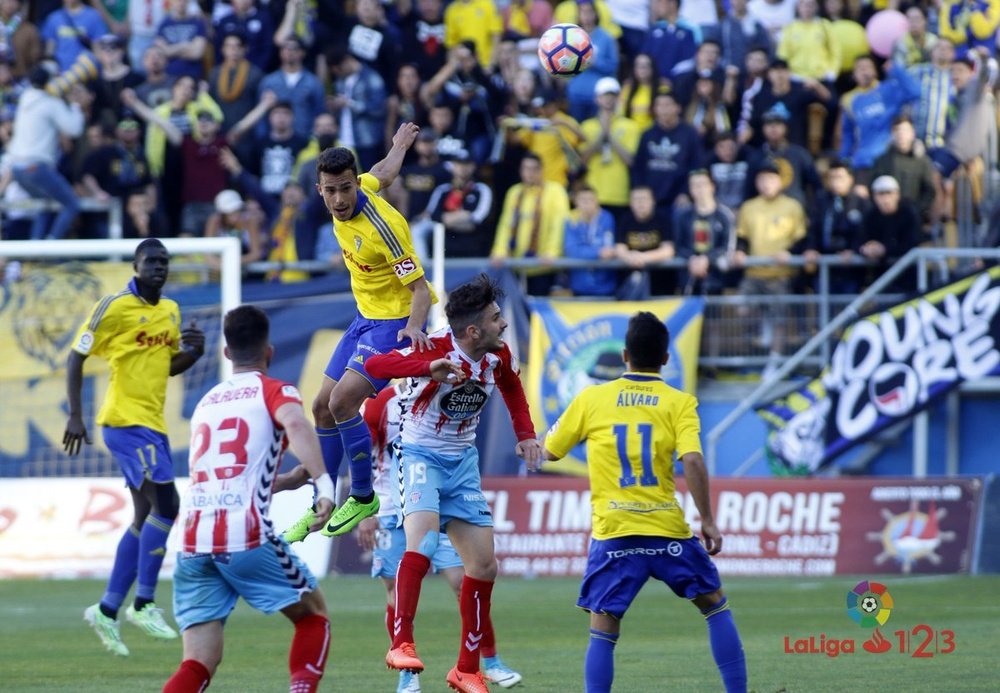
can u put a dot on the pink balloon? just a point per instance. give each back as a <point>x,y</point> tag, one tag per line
<point>884,29</point>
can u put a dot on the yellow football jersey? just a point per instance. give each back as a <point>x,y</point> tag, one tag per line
<point>138,340</point>
<point>378,252</point>
<point>633,426</point>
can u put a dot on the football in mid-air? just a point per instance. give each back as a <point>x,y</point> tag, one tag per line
<point>565,50</point>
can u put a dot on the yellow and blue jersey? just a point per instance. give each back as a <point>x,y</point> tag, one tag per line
<point>138,340</point>
<point>633,426</point>
<point>378,252</point>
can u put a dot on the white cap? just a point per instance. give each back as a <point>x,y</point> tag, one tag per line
<point>607,85</point>
<point>228,201</point>
<point>885,184</point>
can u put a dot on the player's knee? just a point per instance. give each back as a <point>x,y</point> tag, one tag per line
<point>321,412</point>
<point>168,502</point>
<point>709,600</point>
<point>429,544</point>
<point>482,569</point>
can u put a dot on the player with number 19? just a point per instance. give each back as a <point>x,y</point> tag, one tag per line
<point>633,426</point>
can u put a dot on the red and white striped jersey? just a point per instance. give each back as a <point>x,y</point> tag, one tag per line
<point>382,416</point>
<point>441,416</point>
<point>236,449</point>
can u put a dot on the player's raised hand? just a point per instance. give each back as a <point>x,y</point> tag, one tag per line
<point>193,339</point>
<point>75,435</point>
<point>531,452</point>
<point>444,371</point>
<point>406,135</point>
<point>418,340</point>
<point>712,537</point>
<point>322,512</point>
<point>366,532</point>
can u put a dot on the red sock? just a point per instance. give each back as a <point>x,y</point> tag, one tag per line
<point>191,677</point>
<point>474,603</point>
<point>390,620</point>
<point>488,645</point>
<point>307,656</point>
<point>409,575</point>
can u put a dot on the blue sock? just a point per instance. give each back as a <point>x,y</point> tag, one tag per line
<point>122,572</point>
<point>152,549</point>
<point>358,443</point>
<point>599,664</point>
<point>727,649</point>
<point>493,661</point>
<point>332,447</point>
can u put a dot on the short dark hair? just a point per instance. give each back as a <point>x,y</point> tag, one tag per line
<point>532,156</point>
<point>336,160</point>
<point>145,245</point>
<point>647,341</point>
<point>840,163</point>
<point>467,303</point>
<point>236,34</point>
<point>900,119</point>
<point>247,332</point>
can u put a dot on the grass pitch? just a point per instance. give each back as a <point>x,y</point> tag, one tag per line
<point>48,647</point>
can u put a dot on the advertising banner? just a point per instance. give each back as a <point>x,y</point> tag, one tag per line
<point>886,368</point>
<point>769,526</point>
<point>579,343</point>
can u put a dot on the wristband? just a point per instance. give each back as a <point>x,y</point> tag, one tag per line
<point>324,487</point>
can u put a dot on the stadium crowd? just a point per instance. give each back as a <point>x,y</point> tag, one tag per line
<point>707,130</point>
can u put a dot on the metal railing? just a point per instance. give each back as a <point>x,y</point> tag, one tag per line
<point>113,208</point>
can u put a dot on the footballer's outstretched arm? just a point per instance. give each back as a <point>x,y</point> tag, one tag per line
<point>387,169</point>
<point>696,477</point>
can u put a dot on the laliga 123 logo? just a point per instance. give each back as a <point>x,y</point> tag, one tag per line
<point>869,604</point>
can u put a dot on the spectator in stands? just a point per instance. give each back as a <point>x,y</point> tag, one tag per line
<point>231,218</point>
<point>33,153</point>
<point>118,169</point>
<point>528,17</point>
<point>374,41</point>
<point>411,192</point>
<point>274,156</point>
<point>552,135</point>
<point>666,153</point>
<point>590,235</point>
<point>183,38</point>
<point>472,96</point>
<point>779,87</point>
<point>969,24</point>
<point>423,37</point>
<point>144,18</point>
<point>70,31</point>
<point>405,104</point>
<point>140,219</point>
<point>158,85</point>
<point>917,44</point>
<point>566,11</point>
<point>20,41</point>
<point>643,237</point>
<point>708,110</point>
<point>836,227</point>
<point>730,171</point>
<point>115,75</point>
<point>867,113</point>
<point>580,89</point>
<point>737,32</point>
<point>775,15</point>
<point>463,205</point>
<point>298,86</point>
<point>636,101</point>
<point>705,235</point>
<point>809,46</point>
<point>930,112</point>
<point>891,229</point>
<point>769,225</point>
<point>442,121</point>
<point>851,37</point>
<point>609,147</point>
<point>477,21</point>
<point>255,26</point>
<point>907,163</point>
<point>670,39</point>
<point>531,224</point>
<point>234,83</point>
<point>292,238</point>
<point>359,103</point>
<point>798,173</point>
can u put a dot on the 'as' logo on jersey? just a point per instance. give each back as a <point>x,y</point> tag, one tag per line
<point>404,267</point>
<point>464,402</point>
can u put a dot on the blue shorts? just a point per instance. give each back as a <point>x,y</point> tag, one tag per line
<point>944,161</point>
<point>142,453</point>
<point>449,486</point>
<point>269,578</point>
<point>390,544</point>
<point>618,568</point>
<point>365,338</point>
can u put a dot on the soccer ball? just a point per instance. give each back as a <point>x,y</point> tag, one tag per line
<point>869,604</point>
<point>565,50</point>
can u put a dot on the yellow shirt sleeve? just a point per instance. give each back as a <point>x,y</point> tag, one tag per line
<point>370,183</point>
<point>569,429</point>
<point>95,334</point>
<point>501,241</point>
<point>688,428</point>
<point>630,135</point>
<point>557,209</point>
